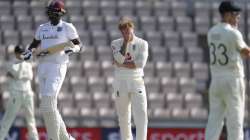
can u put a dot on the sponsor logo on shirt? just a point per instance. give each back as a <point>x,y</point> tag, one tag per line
<point>50,37</point>
<point>134,47</point>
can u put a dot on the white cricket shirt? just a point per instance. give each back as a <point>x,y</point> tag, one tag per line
<point>22,73</point>
<point>225,43</point>
<point>51,35</point>
<point>137,51</point>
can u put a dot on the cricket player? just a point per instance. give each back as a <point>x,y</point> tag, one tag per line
<point>19,75</point>
<point>130,54</point>
<point>227,88</point>
<point>52,68</point>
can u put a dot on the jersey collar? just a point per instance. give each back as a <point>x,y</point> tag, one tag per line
<point>59,24</point>
<point>225,24</point>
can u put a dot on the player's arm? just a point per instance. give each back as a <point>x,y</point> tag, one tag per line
<point>241,45</point>
<point>129,65</point>
<point>77,44</point>
<point>13,70</point>
<point>245,52</point>
<point>27,73</point>
<point>8,68</point>
<point>123,49</point>
<point>37,39</point>
<point>118,57</point>
<point>141,59</point>
<point>8,74</point>
<point>34,44</point>
<point>28,53</point>
<point>76,47</point>
<point>73,36</point>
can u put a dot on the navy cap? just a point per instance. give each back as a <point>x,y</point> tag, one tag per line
<point>228,6</point>
<point>18,49</point>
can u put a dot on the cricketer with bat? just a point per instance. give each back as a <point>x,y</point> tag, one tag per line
<point>130,54</point>
<point>52,68</point>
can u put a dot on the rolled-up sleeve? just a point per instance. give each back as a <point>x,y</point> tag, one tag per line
<point>142,57</point>
<point>118,57</point>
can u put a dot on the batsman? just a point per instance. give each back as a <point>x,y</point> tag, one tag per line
<point>52,67</point>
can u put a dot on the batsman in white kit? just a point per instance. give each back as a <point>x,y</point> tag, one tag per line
<point>227,88</point>
<point>19,74</point>
<point>130,55</point>
<point>52,67</point>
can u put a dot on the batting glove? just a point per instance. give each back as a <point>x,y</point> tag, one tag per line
<point>27,55</point>
<point>68,50</point>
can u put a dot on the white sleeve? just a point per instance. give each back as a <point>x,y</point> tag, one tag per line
<point>71,31</point>
<point>240,43</point>
<point>37,34</point>
<point>28,73</point>
<point>118,57</point>
<point>14,69</point>
<point>141,58</point>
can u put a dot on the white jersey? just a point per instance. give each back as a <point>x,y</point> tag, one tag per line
<point>22,73</point>
<point>225,43</point>
<point>137,51</point>
<point>51,35</point>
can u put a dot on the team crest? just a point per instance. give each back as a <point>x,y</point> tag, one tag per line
<point>134,47</point>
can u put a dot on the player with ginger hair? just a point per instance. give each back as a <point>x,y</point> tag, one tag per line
<point>130,55</point>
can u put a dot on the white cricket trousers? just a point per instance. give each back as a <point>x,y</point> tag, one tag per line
<point>226,100</point>
<point>51,77</point>
<point>16,101</point>
<point>130,92</point>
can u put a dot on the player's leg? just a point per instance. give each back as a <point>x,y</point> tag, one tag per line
<point>63,134</point>
<point>48,104</point>
<point>49,110</point>
<point>30,117</point>
<point>139,107</point>
<point>12,108</point>
<point>50,87</point>
<point>235,109</point>
<point>216,112</point>
<point>123,109</point>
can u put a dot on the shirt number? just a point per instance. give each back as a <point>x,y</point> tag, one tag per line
<point>218,54</point>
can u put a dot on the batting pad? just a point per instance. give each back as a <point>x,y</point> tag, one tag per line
<point>63,134</point>
<point>49,112</point>
<point>55,126</point>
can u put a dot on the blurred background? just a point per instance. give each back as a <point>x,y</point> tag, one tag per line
<point>176,74</point>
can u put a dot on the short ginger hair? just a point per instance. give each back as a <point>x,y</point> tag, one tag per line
<point>125,22</point>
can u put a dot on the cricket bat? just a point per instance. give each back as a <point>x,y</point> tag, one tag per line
<point>53,49</point>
